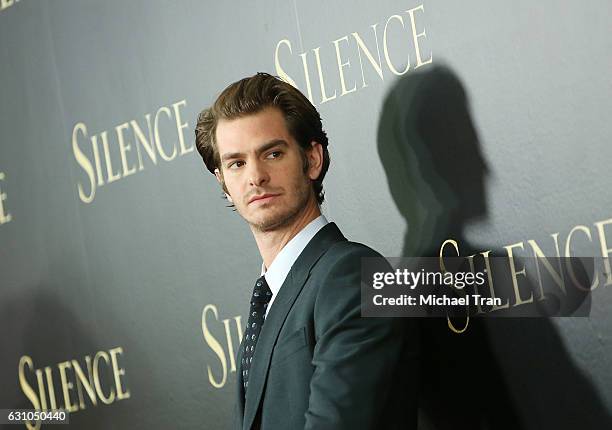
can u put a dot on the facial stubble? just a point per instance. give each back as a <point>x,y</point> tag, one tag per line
<point>304,191</point>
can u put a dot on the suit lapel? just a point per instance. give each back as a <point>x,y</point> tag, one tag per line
<point>240,383</point>
<point>283,302</point>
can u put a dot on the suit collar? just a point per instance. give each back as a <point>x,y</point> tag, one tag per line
<point>285,259</point>
<point>320,243</point>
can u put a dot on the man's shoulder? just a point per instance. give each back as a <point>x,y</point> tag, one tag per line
<point>350,249</point>
<point>344,257</point>
<point>334,255</point>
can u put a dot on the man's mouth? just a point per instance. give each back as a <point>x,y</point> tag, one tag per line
<point>262,198</point>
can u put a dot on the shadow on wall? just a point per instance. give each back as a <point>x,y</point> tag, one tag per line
<point>500,373</point>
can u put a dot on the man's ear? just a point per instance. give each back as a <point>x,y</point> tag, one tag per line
<point>218,175</point>
<point>220,180</point>
<point>314,154</point>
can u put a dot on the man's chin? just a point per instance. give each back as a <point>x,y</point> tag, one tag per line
<point>271,223</point>
<point>267,225</point>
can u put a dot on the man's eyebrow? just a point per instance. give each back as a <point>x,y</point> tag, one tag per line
<point>263,148</point>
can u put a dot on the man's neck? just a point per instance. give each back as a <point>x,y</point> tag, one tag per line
<point>270,243</point>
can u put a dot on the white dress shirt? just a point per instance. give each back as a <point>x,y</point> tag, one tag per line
<point>282,263</point>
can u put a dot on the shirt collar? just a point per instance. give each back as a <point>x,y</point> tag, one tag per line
<point>282,263</point>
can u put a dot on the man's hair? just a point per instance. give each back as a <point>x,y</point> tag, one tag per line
<point>251,95</point>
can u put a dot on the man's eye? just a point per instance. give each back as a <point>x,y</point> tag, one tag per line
<point>274,154</point>
<point>235,164</point>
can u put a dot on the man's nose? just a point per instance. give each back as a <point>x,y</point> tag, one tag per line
<point>258,175</point>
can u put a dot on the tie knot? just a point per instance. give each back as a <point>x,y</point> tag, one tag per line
<point>262,292</point>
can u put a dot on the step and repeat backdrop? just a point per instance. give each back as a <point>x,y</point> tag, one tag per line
<point>124,276</point>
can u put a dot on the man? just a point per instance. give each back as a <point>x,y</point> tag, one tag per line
<point>308,359</point>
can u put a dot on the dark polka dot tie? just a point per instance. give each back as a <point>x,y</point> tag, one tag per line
<point>259,304</point>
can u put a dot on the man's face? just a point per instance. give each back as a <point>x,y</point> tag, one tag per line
<point>263,169</point>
